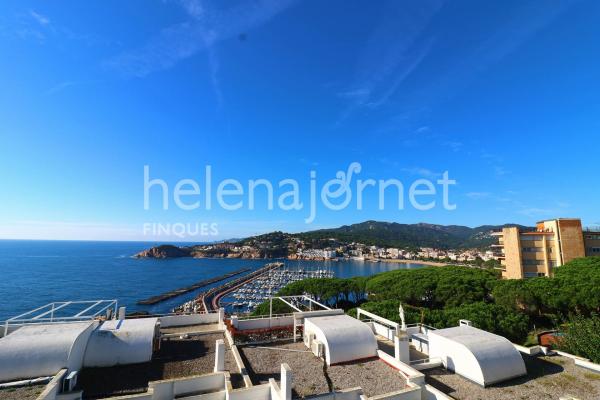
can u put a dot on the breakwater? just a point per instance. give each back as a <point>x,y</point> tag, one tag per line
<point>177,292</point>
<point>209,300</point>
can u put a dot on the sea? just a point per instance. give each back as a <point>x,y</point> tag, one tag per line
<point>34,273</point>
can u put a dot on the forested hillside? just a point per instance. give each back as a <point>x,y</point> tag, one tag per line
<point>440,296</point>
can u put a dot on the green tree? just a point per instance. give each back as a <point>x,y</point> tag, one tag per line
<point>582,337</point>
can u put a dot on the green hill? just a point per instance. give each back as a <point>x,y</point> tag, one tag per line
<point>393,234</point>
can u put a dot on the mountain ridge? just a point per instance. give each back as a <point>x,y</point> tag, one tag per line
<point>421,234</point>
<point>371,232</point>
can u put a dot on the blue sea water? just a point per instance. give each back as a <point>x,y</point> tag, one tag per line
<point>34,273</point>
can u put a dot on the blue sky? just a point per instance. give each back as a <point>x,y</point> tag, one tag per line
<point>503,95</point>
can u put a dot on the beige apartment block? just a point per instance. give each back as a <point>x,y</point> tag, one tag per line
<point>536,252</point>
<point>591,240</point>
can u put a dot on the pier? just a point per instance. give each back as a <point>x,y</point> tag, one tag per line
<point>178,292</point>
<point>210,299</point>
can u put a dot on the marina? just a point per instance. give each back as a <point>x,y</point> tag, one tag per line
<point>249,296</point>
<point>178,292</point>
<point>247,292</point>
<point>210,300</point>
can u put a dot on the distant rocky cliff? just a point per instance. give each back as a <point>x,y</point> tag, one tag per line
<point>165,251</point>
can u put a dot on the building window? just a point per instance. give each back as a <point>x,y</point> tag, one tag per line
<point>531,237</point>
<point>533,262</point>
<point>532,249</point>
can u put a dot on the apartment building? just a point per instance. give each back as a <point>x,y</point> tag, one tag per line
<point>536,252</point>
<point>592,243</point>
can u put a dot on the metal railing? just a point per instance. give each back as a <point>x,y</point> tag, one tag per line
<point>250,317</point>
<point>421,326</point>
<point>85,310</point>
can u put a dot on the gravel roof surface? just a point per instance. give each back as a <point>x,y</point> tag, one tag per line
<point>176,359</point>
<point>547,378</point>
<point>22,393</point>
<point>374,376</point>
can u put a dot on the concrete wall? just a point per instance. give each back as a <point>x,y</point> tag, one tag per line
<point>53,387</point>
<point>412,375</point>
<point>262,323</point>
<point>345,394</point>
<point>382,330</point>
<point>142,396</point>
<point>168,389</point>
<point>432,393</point>
<point>420,345</point>
<point>410,393</point>
<point>259,392</point>
<point>588,364</point>
<point>188,319</point>
<point>580,361</point>
<point>532,351</point>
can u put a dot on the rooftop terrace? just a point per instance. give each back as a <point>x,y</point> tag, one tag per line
<point>176,358</point>
<point>548,377</point>
<point>22,393</point>
<point>311,378</point>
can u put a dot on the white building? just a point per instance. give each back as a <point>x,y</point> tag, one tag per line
<point>344,338</point>
<point>478,355</point>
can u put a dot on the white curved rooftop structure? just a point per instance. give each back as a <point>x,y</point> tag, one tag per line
<point>344,338</point>
<point>118,342</point>
<point>480,356</point>
<point>43,349</point>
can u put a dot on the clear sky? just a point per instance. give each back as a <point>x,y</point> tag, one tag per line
<point>504,95</point>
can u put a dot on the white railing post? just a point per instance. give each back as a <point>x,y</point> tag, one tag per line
<point>286,382</point>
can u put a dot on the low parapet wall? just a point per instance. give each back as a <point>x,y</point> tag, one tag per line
<point>258,392</point>
<point>413,392</point>
<point>169,321</point>
<point>169,389</point>
<point>412,375</point>
<point>262,323</point>
<point>432,393</point>
<point>53,387</point>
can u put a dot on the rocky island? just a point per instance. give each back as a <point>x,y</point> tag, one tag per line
<point>165,251</point>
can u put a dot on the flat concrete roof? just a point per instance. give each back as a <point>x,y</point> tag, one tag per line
<point>177,358</point>
<point>264,361</point>
<point>548,377</point>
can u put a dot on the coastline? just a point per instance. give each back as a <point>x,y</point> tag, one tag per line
<point>386,260</point>
<point>430,263</point>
